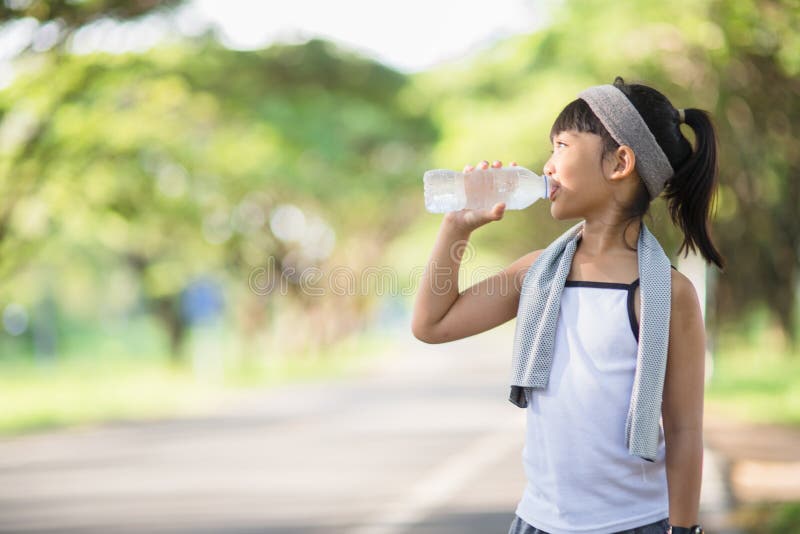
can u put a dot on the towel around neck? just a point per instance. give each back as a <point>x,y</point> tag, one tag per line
<point>537,317</point>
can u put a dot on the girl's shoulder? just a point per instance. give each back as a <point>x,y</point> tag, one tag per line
<point>684,294</point>
<point>521,265</point>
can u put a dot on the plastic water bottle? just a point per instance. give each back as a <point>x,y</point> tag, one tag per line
<point>518,187</point>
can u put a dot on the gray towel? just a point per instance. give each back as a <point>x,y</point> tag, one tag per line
<point>537,317</point>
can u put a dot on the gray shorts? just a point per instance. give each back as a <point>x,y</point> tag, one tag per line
<point>518,526</point>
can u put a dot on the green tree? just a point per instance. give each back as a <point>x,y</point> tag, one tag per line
<point>163,160</point>
<point>70,15</point>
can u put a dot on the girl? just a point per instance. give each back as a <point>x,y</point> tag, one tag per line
<point>610,342</point>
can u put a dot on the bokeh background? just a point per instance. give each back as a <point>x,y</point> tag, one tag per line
<point>204,199</point>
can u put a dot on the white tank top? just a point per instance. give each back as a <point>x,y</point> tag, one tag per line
<point>581,478</point>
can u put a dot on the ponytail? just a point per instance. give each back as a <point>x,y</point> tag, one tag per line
<point>690,191</point>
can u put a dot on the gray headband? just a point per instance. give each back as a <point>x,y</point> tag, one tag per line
<point>628,128</point>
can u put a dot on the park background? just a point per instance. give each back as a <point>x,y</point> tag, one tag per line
<point>184,216</point>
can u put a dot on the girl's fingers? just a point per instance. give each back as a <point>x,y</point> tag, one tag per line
<point>498,210</point>
<point>483,164</point>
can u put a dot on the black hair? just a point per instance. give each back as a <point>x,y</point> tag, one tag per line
<point>690,191</point>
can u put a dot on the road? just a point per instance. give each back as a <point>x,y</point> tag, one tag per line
<point>422,441</point>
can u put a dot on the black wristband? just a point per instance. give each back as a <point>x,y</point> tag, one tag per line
<point>694,529</point>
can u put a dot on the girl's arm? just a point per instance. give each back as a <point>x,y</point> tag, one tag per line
<point>682,406</point>
<point>442,313</point>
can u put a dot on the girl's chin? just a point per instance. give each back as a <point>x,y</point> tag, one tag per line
<point>557,213</point>
<point>561,215</point>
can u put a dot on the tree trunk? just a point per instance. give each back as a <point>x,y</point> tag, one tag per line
<point>168,312</point>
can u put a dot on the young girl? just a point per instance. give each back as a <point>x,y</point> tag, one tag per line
<point>610,343</point>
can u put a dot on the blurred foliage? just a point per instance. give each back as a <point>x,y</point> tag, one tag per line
<point>127,180</point>
<point>55,22</point>
<point>71,14</point>
<point>133,175</point>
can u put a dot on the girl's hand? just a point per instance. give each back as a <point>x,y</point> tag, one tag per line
<point>468,219</point>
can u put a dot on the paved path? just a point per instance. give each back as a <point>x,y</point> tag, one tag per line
<point>405,447</point>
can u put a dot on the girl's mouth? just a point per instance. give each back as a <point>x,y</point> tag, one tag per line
<point>553,190</point>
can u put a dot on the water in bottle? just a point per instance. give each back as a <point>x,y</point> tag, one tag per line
<point>518,187</point>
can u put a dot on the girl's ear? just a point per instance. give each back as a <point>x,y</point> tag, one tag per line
<point>623,163</point>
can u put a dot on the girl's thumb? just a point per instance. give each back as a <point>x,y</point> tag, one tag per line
<point>498,210</point>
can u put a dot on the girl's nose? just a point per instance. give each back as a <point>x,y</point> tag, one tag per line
<point>549,170</point>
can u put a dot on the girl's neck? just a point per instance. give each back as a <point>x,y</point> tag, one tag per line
<point>599,238</point>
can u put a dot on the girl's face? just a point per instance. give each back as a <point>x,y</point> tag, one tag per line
<point>577,169</point>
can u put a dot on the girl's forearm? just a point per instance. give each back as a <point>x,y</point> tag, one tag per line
<point>438,289</point>
<point>684,459</point>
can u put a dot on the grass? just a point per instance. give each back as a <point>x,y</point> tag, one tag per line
<point>769,518</point>
<point>97,380</point>
<point>756,380</point>
<point>80,391</point>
